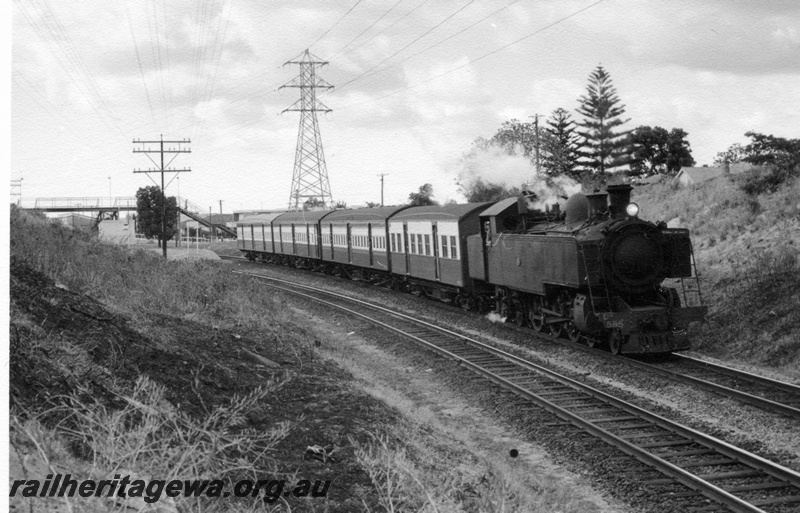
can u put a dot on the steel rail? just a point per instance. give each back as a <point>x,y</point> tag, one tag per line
<point>751,399</point>
<point>674,471</point>
<point>737,373</point>
<point>726,391</point>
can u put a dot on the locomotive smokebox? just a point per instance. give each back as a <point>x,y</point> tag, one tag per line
<point>619,197</point>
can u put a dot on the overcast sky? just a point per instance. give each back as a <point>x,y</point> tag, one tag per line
<point>416,82</point>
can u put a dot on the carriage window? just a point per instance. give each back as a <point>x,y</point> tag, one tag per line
<point>453,247</point>
<point>444,246</point>
<point>427,244</point>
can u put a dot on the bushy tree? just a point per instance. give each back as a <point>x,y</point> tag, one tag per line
<point>777,152</point>
<point>605,145</point>
<point>735,153</point>
<point>657,151</point>
<point>423,197</point>
<point>679,152</point>
<point>480,191</point>
<point>313,203</point>
<point>150,211</point>
<point>560,151</point>
<point>515,137</point>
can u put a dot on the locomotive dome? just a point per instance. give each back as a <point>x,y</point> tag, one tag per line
<point>576,209</point>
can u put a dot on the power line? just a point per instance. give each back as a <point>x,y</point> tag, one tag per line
<point>77,71</point>
<point>334,25</point>
<point>436,44</point>
<point>139,60</point>
<point>406,15</point>
<point>413,86</point>
<point>365,30</point>
<point>409,44</point>
<point>212,77</point>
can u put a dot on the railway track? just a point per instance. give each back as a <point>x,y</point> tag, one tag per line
<point>758,391</point>
<point>769,394</point>
<point>709,468</point>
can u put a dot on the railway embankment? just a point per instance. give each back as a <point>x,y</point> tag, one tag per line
<point>123,364</point>
<point>747,245</point>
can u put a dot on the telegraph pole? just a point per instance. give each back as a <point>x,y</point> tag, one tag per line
<point>162,169</point>
<point>536,134</point>
<point>16,190</point>
<point>382,175</point>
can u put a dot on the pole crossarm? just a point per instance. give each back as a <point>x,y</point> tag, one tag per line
<point>163,169</point>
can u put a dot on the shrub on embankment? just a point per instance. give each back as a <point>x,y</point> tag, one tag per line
<point>99,389</point>
<point>746,242</point>
<point>137,282</point>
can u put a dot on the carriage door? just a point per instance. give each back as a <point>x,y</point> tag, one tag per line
<point>349,245</point>
<point>330,232</point>
<point>369,242</point>
<point>405,247</point>
<point>435,251</point>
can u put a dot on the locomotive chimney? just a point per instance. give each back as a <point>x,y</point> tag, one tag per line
<point>598,203</point>
<point>619,196</point>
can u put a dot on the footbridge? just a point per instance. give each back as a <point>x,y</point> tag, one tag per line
<point>109,208</point>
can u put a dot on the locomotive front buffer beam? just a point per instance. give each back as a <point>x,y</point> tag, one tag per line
<point>640,329</point>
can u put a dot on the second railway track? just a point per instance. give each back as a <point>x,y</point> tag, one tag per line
<point>710,468</point>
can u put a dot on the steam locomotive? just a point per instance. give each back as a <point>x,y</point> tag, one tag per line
<point>594,273</point>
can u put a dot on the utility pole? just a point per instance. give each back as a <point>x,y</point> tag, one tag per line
<point>162,169</point>
<point>310,176</point>
<point>16,190</point>
<point>536,135</point>
<point>382,175</point>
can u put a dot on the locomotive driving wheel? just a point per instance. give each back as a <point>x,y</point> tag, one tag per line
<point>534,313</point>
<point>572,332</point>
<point>557,329</point>
<point>615,341</point>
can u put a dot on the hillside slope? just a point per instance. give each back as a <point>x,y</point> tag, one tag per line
<point>746,247</point>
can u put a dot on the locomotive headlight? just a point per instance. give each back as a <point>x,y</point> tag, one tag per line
<point>632,209</point>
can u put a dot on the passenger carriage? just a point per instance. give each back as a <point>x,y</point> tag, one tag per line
<point>358,238</point>
<point>297,235</point>
<point>428,246</point>
<point>255,235</point>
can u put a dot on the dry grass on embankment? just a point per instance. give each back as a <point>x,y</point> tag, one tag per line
<point>746,246</point>
<point>122,363</point>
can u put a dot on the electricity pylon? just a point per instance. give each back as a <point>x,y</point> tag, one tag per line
<point>310,176</point>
